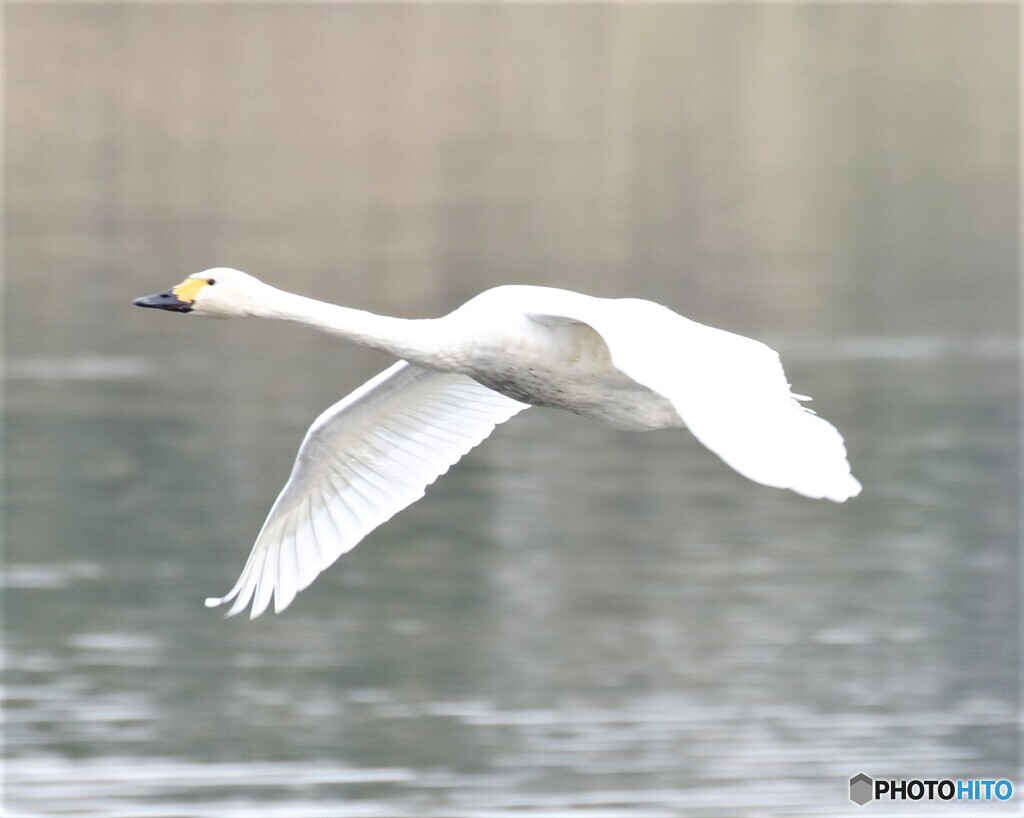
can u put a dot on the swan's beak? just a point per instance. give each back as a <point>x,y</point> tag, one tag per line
<point>164,301</point>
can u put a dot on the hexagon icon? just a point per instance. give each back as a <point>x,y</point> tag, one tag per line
<point>862,789</point>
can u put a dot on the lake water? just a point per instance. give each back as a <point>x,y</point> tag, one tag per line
<point>575,622</point>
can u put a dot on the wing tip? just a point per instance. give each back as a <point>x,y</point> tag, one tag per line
<point>839,491</point>
<point>281,602</point>
<point>847,490</point>
<point>217,601</point>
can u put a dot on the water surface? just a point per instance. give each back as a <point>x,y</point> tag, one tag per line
<point>576,621</point>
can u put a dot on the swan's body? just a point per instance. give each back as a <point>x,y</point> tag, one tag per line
<point>628,363</point>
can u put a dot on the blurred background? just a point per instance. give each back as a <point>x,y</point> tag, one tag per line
<point>576,621</point>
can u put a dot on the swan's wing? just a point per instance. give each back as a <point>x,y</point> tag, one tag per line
<point>362,461</point>
<point>729,390</point>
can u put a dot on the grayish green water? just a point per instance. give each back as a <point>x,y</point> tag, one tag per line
<point>575,621</point>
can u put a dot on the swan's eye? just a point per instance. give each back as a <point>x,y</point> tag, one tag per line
<point>211,281</point>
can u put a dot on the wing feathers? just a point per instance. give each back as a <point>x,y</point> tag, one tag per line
<point>361,462</point>
<point>309,559</point>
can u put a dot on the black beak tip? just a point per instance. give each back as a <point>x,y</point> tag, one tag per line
<point>163,301</point>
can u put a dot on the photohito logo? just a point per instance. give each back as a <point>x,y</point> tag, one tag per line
<point>863,788</point>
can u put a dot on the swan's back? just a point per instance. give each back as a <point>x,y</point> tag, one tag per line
<point>534,344</point>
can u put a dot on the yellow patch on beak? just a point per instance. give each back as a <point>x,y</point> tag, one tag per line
<point>189,289</point>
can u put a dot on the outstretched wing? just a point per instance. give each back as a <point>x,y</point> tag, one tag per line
<point>362,461</point>
<point>729,390</point>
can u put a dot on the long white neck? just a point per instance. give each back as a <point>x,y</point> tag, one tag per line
<point>415,340</point>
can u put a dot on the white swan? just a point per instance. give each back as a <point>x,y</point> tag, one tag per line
<point>629,363</point>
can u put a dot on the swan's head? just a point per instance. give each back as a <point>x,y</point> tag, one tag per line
<point>218,293</point>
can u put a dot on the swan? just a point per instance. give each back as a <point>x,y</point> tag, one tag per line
<point>628,363</point>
